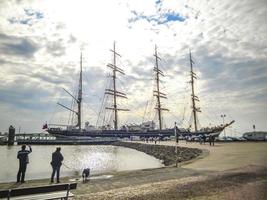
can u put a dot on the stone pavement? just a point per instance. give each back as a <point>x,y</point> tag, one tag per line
<point>116,180</point>
<point>224,156</point>
<point>135,178</point>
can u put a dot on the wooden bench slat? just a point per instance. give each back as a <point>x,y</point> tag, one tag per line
<point>54,195</point>
<point>38,190</point>
<point>3,193</point>
<point>42,189</point>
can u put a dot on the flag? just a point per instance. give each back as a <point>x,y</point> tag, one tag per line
<point>45,126</point>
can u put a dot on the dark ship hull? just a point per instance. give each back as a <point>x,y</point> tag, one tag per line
<point>109,133</point>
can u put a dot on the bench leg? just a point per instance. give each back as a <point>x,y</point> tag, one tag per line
<point>67,196</point>
<point>9,194</point>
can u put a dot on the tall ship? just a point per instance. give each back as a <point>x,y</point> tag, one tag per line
<point>145,129</point>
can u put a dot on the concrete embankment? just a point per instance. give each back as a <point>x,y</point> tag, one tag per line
<point>167,154</point>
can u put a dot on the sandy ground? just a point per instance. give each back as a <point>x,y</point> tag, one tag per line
<point>229,171</point>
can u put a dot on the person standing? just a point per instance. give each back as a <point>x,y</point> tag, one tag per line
<point>200,139</point>
<point>56,163</point>
<point>210,138</point>
<point>204,138</point>
<point>213,139</point>
<point>23,161</point>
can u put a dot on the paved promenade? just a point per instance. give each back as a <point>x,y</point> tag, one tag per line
<point>224,156</point>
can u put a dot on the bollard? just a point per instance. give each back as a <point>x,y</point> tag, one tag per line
<point>178,162</point>
<point>11,135</point>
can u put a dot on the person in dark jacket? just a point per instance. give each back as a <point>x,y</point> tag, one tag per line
<point>211,140</point>
<point>204,138</point>
<point>56,163</point>
<point>23,161</point>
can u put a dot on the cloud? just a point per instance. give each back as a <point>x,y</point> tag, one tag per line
<point>27,96</point>
<point>56,48</point>
<point>16,46</point>
<point>72,39</point>
<point>33,13</point>
<point>160,19</point>
<point>29,17</point>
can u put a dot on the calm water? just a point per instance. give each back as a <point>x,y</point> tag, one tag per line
<point>101,159</point>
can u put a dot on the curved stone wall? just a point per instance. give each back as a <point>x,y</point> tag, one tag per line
<point>165,153</point>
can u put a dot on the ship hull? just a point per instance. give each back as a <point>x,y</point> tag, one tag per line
<point>110,133</point>
<point>72,134</point>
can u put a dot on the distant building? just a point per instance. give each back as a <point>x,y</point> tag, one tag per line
<point>257,136</point>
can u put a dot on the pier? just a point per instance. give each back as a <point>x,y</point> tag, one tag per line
<point>105,137</point>
<point>46,139</point>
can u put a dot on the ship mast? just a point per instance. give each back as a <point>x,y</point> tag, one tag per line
<point>157,92</point>
<point>113,92</point>
<point>193,96</point>
<point>79,102</point>
<point>77,99</point>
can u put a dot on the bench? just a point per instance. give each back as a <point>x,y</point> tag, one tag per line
<point>58,191</point>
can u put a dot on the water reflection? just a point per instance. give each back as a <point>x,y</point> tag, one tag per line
<point>101,159</point>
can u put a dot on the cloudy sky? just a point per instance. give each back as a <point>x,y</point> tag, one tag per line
<point>41,41</point>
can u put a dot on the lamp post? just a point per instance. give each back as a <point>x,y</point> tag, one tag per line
<point>176,137</point>
<point>223,116</point>
<point>176,133</point>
